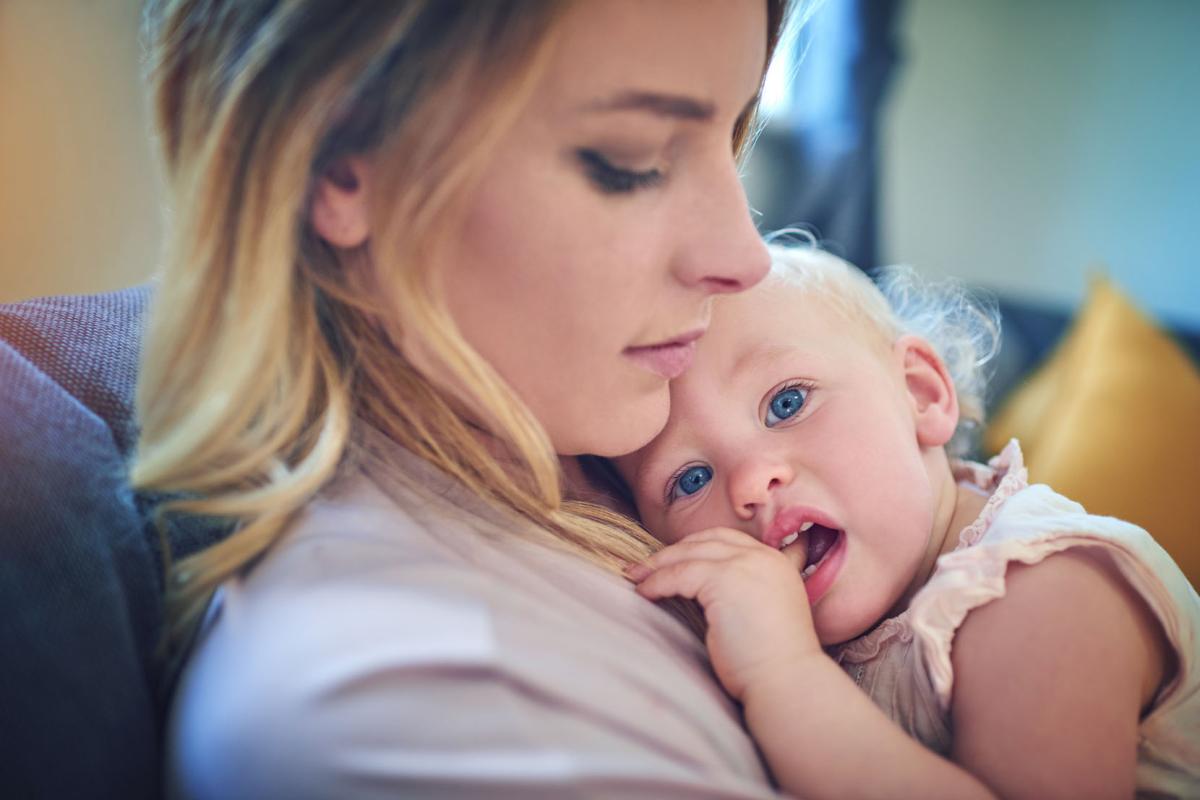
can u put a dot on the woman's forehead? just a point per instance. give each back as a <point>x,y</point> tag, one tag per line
<point>711,54</point>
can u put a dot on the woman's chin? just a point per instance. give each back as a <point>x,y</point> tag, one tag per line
<point>618,433</point>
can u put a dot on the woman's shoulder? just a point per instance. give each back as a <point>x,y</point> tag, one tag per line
<point>362,568</point>
<point>353,591</point>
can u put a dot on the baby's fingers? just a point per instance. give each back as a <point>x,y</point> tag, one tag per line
<point>720,534</point>
<point>681,579</point>
<point>686,549</point>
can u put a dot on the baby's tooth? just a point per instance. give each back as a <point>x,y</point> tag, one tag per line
<point>805,526</point>
<point>791,537</point>
<point>808,571</point>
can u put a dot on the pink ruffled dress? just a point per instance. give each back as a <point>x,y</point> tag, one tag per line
<point>904,662</point>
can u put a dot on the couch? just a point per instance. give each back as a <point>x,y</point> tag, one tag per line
<point>82,692</point>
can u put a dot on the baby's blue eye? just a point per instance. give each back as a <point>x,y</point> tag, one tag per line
<point>691,481</point>
<point>785,404</point>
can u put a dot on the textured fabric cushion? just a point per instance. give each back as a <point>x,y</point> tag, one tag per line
<point>89,346</point>
<point>79,577</point>
<point>1112,420</point>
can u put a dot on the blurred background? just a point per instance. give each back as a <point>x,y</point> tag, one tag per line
<point>80,191</point>
<point>1020,145</point>
<point>1015,143</point>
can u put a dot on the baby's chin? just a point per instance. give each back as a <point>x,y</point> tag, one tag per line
<point>832,636</point>
<point>833,628</point>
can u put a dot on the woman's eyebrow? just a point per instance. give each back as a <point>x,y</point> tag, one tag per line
<point>662,105</point>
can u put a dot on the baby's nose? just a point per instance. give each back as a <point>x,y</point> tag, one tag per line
<point>752,486</point>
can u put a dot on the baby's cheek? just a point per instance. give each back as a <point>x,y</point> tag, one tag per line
<point>653,521</point>
<point>669,534</point>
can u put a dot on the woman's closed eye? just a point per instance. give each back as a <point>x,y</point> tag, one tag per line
<point>688,480</point>
<point>786,403</point>
<point>612,179</point>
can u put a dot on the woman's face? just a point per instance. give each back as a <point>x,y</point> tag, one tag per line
<point>611,214</point>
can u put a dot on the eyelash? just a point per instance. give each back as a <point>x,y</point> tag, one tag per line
<point>614,180</point>
<point>674,479</point>
<point>805,386</point>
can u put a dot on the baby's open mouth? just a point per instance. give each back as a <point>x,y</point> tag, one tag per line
<point>820,541</point>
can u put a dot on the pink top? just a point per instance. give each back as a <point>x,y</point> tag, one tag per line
<point>404,643</point>
<point>904,663</point>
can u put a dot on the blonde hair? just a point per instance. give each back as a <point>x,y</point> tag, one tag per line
<point>961,325</point>
<point>265,350</point>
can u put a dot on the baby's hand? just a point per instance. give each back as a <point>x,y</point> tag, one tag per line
<point>759,621</point>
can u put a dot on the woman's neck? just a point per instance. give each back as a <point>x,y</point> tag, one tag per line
<point>575,481</point>
<point>580,484</point>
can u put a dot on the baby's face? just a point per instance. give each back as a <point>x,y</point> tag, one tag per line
<point>793,419</point>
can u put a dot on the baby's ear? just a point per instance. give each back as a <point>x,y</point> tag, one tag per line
<point>930,389</point>
<point>339,212</point>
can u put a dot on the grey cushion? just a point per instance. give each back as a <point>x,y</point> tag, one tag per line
<point>88,345</point>
<point>80,575</point>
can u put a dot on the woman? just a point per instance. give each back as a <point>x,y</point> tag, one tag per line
<point>423,251</point>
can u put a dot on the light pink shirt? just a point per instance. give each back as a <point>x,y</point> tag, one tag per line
<point>905,663</point>
<point>402,647</point>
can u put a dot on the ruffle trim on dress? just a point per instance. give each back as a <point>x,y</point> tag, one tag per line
<point>1004,476</point>
<point>867,646</point>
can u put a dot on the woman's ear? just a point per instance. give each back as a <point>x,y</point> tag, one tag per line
<point>339,212</point>
<point>931,390</point>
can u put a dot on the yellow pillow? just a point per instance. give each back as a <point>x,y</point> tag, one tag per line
<point>1112,420</point>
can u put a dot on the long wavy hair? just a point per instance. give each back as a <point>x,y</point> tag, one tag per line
<point>266,350</point>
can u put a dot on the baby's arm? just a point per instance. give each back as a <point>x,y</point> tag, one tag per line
<point>1051,679</point>
<point>821,735</point>
<point>824,737</point>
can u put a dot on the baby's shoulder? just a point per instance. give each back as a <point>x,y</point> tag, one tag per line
<point>1072,612</point>
<point>1048,574</point>
<point>1065,662</point>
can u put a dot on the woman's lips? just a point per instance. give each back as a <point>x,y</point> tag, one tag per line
<point>668,361</point>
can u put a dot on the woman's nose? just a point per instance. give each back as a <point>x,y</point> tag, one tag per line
<point>753,482</point>
<point>721,251</point>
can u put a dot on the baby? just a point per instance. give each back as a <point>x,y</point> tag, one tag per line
<point>808,490</point>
